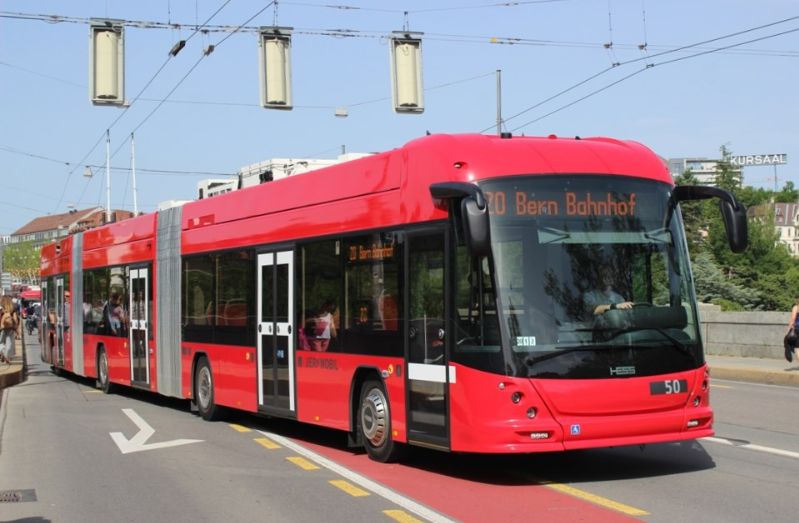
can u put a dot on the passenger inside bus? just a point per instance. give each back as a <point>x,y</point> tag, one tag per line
<point>319,329</point>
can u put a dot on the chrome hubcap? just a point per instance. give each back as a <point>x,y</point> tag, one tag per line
<point>103,368</point>
<point>204,387</point>
<point>374,417</point>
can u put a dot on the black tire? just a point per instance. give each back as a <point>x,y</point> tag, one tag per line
<point>204,391</point>
<point>103,379</point>
<point>374,423</point>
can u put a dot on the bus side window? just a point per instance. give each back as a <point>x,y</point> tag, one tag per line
<point>373,272</point>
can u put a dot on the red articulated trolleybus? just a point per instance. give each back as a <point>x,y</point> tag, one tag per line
<point>446,294</point>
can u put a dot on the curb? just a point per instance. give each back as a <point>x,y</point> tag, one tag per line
<point>15,373</point>
<point>11,377</point>
<point>786,378</point>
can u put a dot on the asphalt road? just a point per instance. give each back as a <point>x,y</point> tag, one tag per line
<point>58,456</point>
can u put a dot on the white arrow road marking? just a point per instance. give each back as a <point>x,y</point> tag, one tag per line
<point>139,441</point>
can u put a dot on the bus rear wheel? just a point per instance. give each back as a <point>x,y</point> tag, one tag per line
<point>103,380</point>
<point>204,391</point>
<point>374,422</point>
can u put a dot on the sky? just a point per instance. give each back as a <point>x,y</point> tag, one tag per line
<point>688,80</point>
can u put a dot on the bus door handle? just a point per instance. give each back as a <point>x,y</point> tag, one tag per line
<point>259,328</point>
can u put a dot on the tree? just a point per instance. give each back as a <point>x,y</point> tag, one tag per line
<point>728,177</point>
<point>788,194</point>
<point>22,260</point>
<point>693,216</point>
<point>713,285</point>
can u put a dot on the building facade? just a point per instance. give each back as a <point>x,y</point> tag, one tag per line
<point>46,229</point>
<point>703,169</point>
<point>786,222</point>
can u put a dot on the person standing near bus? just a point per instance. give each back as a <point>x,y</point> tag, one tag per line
<point>9,323</point>
<point>791,352</point>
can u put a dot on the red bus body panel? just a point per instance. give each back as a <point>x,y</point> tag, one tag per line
<point>608,412</point>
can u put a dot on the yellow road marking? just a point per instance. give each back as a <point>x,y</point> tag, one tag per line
<point>717,386</point>
<point>92,391</point>
<point>303,463</point>
<point>349,488</point>
<point>239,428</point>
<point>268,443</point>
<point>599,500</point>
<point>401,516</point>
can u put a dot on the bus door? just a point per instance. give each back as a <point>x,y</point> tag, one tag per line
<point>60,315</point>
<point>139,300</point>
<point>275,340</point>
<point>45,326</point>
<point>428,376</point>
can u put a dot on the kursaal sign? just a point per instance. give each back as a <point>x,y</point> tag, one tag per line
<point>759,159</point>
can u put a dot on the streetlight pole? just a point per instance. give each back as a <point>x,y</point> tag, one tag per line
<point>499,102</point>
<point>133,173</point>
<point>108,175</point>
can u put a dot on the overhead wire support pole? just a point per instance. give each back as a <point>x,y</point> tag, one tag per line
<point>133,174</point>
<point>108,175</point>
<point>499,102</point>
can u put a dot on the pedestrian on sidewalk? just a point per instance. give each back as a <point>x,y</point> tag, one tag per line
<point>9,323</point>
<point>793,325</point>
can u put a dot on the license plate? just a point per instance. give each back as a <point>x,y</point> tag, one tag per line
<point>668,387</point>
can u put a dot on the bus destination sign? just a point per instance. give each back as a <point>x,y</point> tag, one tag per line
<point>521,203</point>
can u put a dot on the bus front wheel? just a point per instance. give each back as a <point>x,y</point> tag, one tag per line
<point>374,422</point>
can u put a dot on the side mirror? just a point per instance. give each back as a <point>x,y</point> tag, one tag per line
<point>736,225</point>
<point>732,211</point>
<point>473,213</point>
<point>475,227</point>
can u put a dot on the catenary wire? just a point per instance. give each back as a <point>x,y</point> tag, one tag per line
<point>647,67</point>
<point>650,57</point>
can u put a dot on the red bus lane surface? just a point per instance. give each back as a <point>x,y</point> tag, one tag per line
<point>512,498</point>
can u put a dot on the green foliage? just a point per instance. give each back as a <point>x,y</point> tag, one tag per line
<point>788,194</point>
<point>729,306</point>
<point>21,260</point>
<point>713,285</point>
<point>765,276</point>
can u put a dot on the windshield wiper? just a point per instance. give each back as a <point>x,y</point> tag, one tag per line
<point>675,343</point>
<point>552,235</point>
<point>532,360</point>
<point>659,236</point>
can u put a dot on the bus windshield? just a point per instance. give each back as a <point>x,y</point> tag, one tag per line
<point>591,280</point>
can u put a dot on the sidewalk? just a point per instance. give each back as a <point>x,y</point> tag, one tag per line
<point>756,370</point>
<point>13,374</point>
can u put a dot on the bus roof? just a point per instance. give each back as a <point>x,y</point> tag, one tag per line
<point>381,190</point>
